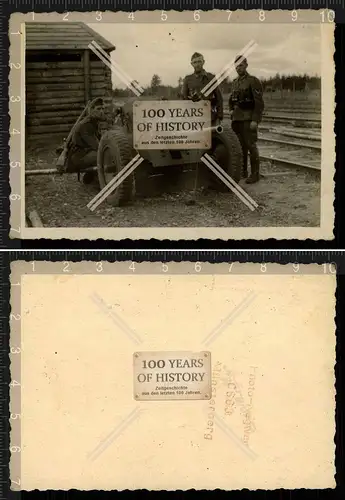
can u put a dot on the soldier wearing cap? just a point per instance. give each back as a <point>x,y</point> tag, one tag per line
<point>82,153</point>
<point>246,107</point>
<point>194,83</point>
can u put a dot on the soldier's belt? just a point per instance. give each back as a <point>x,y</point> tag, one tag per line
<point>245,104</point>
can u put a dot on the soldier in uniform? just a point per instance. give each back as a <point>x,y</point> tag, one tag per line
<point>194,83</point>
<point>191,89</point>
<point>246,108</point>
<point>82,153</point>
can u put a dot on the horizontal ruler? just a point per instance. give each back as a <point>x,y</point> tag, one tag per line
<point>132,5</point>
<point>213,256</point>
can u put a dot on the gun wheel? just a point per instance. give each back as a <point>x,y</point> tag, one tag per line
<point>114,153</point>
<point>227,152</point>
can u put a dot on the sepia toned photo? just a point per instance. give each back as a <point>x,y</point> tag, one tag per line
<point>181,127</point>
<point>177,376</point>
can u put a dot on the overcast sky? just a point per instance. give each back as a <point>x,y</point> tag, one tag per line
<point>165,49</point>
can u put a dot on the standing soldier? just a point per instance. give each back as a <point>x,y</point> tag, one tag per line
<point>246,107</point>
<point>194,83</point>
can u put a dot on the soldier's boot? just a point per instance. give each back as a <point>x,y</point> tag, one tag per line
<point>254,165</point>
<point>253,178</point>
<point>255,173</point>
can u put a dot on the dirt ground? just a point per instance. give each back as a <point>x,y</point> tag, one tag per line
<point>291,199</point>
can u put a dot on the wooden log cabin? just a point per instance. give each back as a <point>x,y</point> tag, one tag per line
<point>62,74</point>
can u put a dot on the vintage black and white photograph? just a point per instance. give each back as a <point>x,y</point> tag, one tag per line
<point>178,130</point>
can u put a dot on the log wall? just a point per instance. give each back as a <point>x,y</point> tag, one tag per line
<point>55,94</point>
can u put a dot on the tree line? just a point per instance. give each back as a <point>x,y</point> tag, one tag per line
<point>293,83</point>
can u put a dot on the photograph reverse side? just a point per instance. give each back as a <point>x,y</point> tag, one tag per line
<point>172,380</point>
<point>176,130</point>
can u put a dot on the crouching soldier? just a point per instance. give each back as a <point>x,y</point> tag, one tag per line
<point>82,153</point>
<point>246,107</point>
<point>194,83</point>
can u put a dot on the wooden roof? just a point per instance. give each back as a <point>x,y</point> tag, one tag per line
<point>62,36</point>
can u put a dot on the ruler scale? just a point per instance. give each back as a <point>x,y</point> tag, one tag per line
<point>115,262</point>
<point>4,382</point>
<point>168,255</point>
<point>132,5</point>
<point>136,5</point>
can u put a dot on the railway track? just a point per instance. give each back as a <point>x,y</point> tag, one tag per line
<point>314,112</point>
<point>291,138</point>
<point>283,162</point>
<point>274,140</point>
<point>289,154</point>
<point>297,121</point>
<point>297,146</point>
<point>291,132</point>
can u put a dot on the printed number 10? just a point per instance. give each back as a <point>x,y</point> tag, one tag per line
<point>327,16</point>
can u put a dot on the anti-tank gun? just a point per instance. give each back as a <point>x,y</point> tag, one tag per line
<point>117,148</point>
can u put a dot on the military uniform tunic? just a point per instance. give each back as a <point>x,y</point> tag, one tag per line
<point>84,145</point>
<point>194,83</point>
<point>246,104</point>
<point>246,100</point>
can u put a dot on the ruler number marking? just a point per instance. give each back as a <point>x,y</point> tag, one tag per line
<point>331,268</point>
<point>196,15</point>
<point>15,197</point>
<point>15,449</point>
<point>294,15</point>
<point>329,17</point>
<point>15,317</point>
